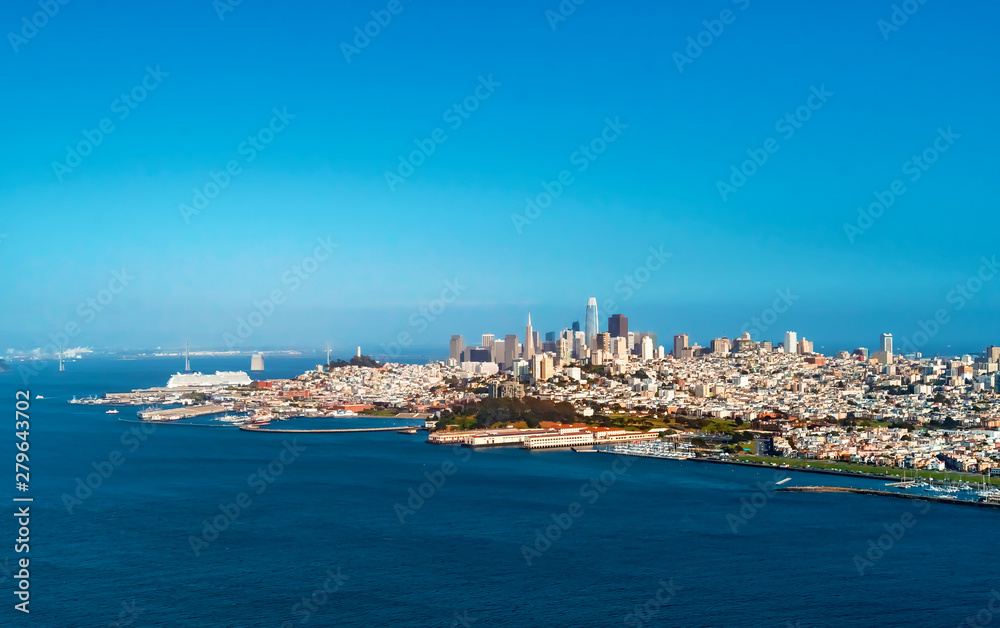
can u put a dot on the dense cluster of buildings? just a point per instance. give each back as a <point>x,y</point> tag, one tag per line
<point>811,405</point>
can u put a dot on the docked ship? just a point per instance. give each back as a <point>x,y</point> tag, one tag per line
<point>220,378</point>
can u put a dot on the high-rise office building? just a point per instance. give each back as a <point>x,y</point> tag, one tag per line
<point>487,341</point>
<point>885,343</point>
<point>993,353</point>
<point>457,348</point>
<point>591,323</point>
<point>637,339</point>
<point>619,347</point>
<point>529,340</point>
<point>805,347</point>
<point>618,326</point>
<point>546,371</point>
<point>721,345</point>
<point>603,341</point>
<point>791,342</point>
<point>646,348</point>
<point>509,350</point>
<point>680,343</point>
<point>475,354</point>
<point>499,352</point>
<point>575,326</point>
<point>564,349</point>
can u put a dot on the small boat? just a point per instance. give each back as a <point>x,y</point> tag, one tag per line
<point>111,412</point>
<point>39,397</point>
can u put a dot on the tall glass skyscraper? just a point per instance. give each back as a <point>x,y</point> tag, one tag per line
<point>591,324</point>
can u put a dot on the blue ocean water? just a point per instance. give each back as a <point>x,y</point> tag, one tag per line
<point>382,529</point>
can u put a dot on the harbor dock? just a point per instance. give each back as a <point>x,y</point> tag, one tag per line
<point>256,428</point>
<point>175,414</point>
<point>867,491</point>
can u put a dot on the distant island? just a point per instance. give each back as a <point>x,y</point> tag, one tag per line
<point>358,360</point>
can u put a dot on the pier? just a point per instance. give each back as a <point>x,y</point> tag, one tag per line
<point>868,491</point>
<point>175,414</point>
<point>255,428</point>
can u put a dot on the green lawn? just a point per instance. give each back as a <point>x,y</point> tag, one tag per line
<point>847,466</point>
<point>380,412</point>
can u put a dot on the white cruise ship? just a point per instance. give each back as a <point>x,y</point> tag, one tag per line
<point>221,378</point>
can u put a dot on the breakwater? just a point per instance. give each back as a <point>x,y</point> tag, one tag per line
<point>868,491</point>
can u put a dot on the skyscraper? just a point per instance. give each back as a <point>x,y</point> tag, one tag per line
<point>646,348</point>
<point>603,341</point>
<point>791,342</point>
<point>529,340</point>
<point>509,350</point>
<point>576,326</point>
<point>680,343</point>
<point>457,348</point>
<point>805,347</point>
<point>618,326</point>
<point>885,343</point>
<point>591,325</point>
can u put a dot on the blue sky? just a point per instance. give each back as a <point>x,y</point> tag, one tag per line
<point>552,90</point>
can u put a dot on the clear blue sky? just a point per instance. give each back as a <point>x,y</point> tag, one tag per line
<point>655,186</point>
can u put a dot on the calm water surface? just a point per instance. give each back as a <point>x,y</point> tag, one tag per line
<point>642,542</point>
